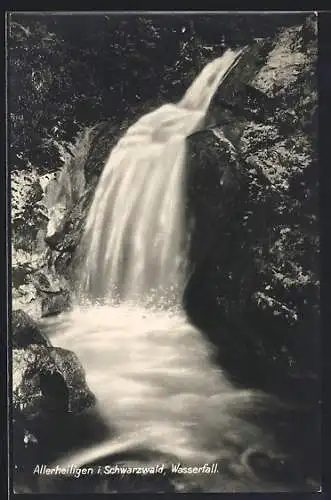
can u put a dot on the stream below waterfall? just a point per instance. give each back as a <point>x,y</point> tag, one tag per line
<point>159,391</point>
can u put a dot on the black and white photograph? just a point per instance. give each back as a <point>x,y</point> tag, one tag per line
<point>164,239</point>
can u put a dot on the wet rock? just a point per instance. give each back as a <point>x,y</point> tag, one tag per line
<point>213,179</point>
<point>68,232</point>
<point>64,246</point>
<point>213,155</point>
<point>66,200</point>
<point>106,136</point>
<point>54,292</point>
<point>46,283</point>
<point>45,395</point>
<point>25,331</point>
<point>48,381</point>
<point>80,397</point>
<point>62,265</point>
<point>55,303</point>
<point>49,389</point>
<point>55,224</point>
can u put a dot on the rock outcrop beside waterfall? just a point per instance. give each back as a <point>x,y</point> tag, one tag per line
<point>49,388</point>
<point>253,189</point>
<point>258,278</point>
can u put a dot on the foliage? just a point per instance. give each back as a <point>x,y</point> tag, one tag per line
<point>27,211</point>
<point>67,72</point>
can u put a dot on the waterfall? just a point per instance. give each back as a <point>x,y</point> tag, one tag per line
<point>135,239</point>
<point>157,387</point>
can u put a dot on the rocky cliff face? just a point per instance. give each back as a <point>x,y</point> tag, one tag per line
<point>257,276</point>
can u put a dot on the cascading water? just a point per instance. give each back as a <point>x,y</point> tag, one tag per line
<point>150,369</point>
<point>135,236</point>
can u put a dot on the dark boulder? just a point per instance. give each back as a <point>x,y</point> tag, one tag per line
<point>62,265</point>
<point>48,390</point>
<point>48,381</point>
<point>107,135</point>
<point>25,331</point>
<point>213,180</point>
<point>66,236</point>
<point>54,292</point>
<point>46,282</point>
<point>56,303</point>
